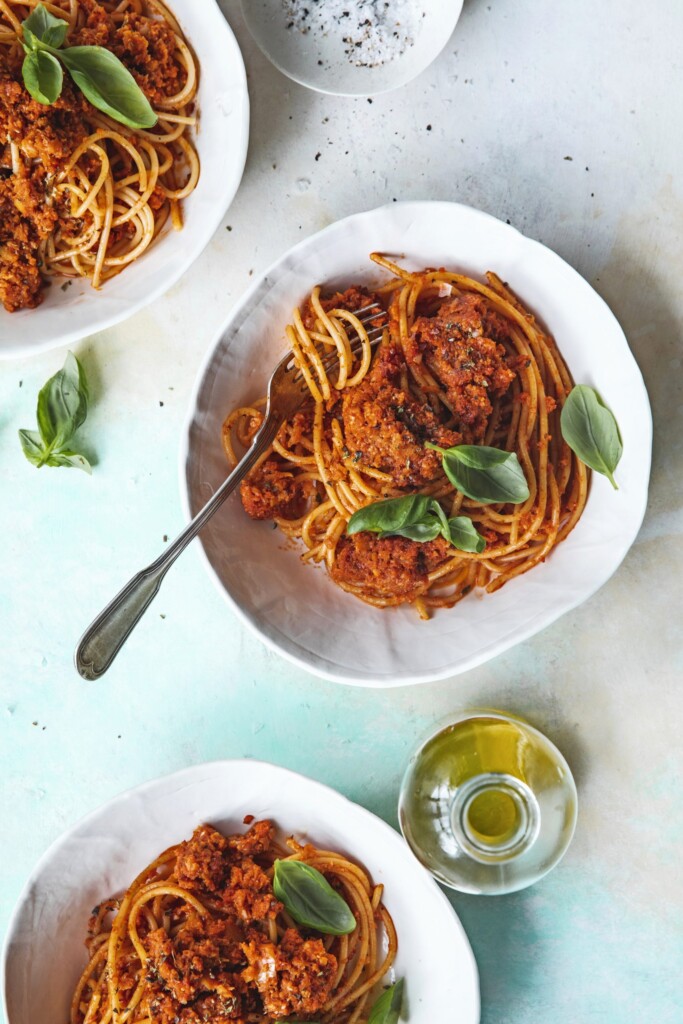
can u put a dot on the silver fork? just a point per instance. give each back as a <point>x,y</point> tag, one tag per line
<point>106,635</point>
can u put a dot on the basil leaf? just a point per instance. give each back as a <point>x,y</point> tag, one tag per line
<point>71,459</point>
<point>62,408</point>
<point>392,515</point>
<point>464,536</point>
<point>310,899</point>
<point>387,1009</point>
<point>43,77</point>
<point>423,532</point>
<point>441,516</point>
<point>487,475</point>
<point>33,448</point>
<point>415,516</point>
<point>43,27</point>
<point>31,43</point>
<point>419,518</point>
<point>102,78</point>
<point>108,85</point>
<point>591,431</point>
<point>63,404</point>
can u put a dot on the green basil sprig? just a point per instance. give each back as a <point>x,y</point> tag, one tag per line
<point>98,73</point>
<point>43,76</point>
<point>487,475</point>
<point>62,408</point>
<point>43,27</point>
<point>464,536</point>
<point>387,1009</point>
<point>310,899</point>
<point>591,431</point>
<point>108,85</point>
<point>417,517</point>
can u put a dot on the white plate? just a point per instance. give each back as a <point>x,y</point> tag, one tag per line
<point>294,607</point>
<point>221,140</point>
<point>44,953</point>
<point>319,61</point>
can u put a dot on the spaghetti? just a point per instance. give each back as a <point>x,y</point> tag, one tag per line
<point>460,362</point>
<point>200,936</point>
<point>81,195</point>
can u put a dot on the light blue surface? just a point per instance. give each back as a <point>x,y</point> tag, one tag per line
<point>600,939</point>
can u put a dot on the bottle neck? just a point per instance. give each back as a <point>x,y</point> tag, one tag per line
<point>495,817</point>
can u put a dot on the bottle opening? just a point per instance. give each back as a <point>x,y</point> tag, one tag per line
<point>492,816</point>
<point>495,817</point>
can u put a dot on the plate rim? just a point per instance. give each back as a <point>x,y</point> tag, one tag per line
<point>15,350</point>
<point>482,656</point>
<point>221,764</point>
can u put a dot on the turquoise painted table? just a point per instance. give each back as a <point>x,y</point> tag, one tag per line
<point>553,124</point>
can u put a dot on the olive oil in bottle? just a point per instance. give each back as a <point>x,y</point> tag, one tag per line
<point>488,804</point>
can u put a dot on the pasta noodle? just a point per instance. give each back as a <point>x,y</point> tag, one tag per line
<point>332,476</point>
<point>229,951</point>
<point>119,187</point>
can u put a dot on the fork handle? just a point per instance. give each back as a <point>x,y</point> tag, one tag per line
<point>106,635</point>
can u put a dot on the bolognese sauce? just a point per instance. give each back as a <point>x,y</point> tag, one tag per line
<point>462,346</point>
<point>201,938</point>
<point>386,567</point>
<point>388,426</point>
<point>460,363</point>
<point>81,195</point>
<point>226,967</point>
<point>37,140</point>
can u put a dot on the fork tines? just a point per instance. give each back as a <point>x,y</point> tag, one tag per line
<point>374,334</point>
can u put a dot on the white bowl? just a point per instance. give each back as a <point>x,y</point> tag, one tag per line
<point>319,61</point>
<point>221,140</point>
<point>295,608</point>
<point>44,952</point>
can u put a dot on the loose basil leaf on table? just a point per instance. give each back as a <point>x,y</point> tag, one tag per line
<point>487,475</point>
<point>310,899</point>
<point>39,455</point>
<point>70,459</point>
<point>43,76</point>
<point>591,431</point>
<point>42,27</point>
<point>108,85</point>
<point>63,403</point>
<point>387,1009</point>
<point>62,408</point>
<point>33,448</point>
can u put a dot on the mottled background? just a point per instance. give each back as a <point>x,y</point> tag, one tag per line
<point>564,118</point>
